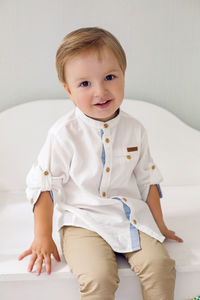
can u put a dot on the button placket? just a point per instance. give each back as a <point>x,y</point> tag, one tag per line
<point>107,142</point>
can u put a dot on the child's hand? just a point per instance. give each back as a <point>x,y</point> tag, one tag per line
<point>169,234</point>
<point>41,250</point>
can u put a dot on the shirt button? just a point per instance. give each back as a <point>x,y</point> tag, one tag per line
<point>46,173</point>
<point>125,200</point>
<point>105,125</point>
<point>107,140</point>
<point>32,201</point>
<point>134,221</point>
<point>128,156</point>
<point>107,169</point>
<point>153,167</point>
<point>103,194</point>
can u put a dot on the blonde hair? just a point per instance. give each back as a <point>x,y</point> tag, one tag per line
<point>84,39</point>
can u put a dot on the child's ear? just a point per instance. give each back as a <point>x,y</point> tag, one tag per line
<point>66,89</point>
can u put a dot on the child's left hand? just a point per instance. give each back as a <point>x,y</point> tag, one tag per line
<point>169,234</point>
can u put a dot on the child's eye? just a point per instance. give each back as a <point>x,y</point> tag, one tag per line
<point>85,83</point>
<point>110,77</point>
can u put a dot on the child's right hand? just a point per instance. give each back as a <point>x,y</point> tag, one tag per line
<point>41,250</point>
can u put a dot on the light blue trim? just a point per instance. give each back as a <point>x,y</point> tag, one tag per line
<point>133,230</point>
<point>135,240</point>
<point>159,190</point>
<point>51,194</point>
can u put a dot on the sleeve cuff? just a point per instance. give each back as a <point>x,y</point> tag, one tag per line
<point>39,181</point>
<point>145,191</point>
<point>33,202</point>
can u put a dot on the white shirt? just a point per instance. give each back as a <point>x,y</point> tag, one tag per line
<point>100,174</point>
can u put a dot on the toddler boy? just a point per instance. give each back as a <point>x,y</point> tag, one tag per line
<point>96,165</point>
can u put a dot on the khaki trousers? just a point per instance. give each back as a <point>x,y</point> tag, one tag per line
<point>93,262</point>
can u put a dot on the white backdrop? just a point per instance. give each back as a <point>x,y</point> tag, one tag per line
<point>161,39</point>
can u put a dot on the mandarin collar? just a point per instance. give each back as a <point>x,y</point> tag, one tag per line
<point>95,123</point>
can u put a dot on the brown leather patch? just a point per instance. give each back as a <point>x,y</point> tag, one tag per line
<point>131,149</point>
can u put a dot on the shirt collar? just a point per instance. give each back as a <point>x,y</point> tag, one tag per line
<point>95,123</point>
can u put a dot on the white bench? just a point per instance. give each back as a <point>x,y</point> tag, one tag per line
<point>175,148</point>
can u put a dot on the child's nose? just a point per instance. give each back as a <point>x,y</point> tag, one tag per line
<point>100,90</point>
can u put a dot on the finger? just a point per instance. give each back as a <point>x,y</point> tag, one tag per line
<point>24,254</point>
<point>31,263</point>
<point>56,255</point>
<point>39,265</point>
<point>47,260</point>
<point>178,239</point>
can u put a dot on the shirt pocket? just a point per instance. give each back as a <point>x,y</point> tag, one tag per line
<point>126,157</point>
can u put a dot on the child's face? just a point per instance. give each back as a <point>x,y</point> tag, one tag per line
<point>94,79</point>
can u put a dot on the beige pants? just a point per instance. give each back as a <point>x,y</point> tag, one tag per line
<point>93,262</point>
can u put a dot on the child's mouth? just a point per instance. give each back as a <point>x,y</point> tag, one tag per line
<point>103,104</point>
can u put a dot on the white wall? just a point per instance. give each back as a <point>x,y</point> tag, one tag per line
<point>161,39</point>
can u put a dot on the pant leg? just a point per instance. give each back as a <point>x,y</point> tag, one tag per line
<point>154,267</point>
<point>93,262</point>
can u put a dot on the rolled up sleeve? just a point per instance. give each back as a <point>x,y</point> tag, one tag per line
<point>146,171</point>
<point>50,171</point>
